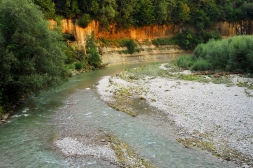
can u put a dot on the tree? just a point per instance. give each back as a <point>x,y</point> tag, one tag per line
<point>67,8</point>
<point>47,7</point>
<point>163,10</point>
<point>32,57</point>
<point>126,10</point>
<point>145,14</point>
<point>181,13</point>
<point>92,53</point>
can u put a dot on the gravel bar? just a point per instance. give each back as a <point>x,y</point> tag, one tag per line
<point>215,112</point>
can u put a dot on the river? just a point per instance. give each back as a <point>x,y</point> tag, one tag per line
<point>26,140</point>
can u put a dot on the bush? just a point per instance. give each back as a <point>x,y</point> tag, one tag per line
<point>84,20</point>
<point>186,40</point>
<point>232,54</point>
<point>130,44</point>
<point>78,66</point>
<point>201,65</point>
<point>207,35</point>
<point>185,61</point>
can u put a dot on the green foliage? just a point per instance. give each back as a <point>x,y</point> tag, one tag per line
<point>32,57</point>
<point>125,12</point>
<point>84,20</point>
<point>145,14</point>
<point>47,7</point>
<point>200,15</point>
<point>67,8</point>
<point>163,41</point>
<point>78,66</point>
<point>186,40</point>
<point>131,46</point>
<point>191,77</point>
<point>129,43</point>
<point>92,54</point>
<point>201,65</point>
<point>185,61</point>
<point>181,13</point>
<point>164,10</point>
<point>189,39</point>
<point>232,54</point>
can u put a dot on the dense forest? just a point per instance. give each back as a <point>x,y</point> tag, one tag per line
<point>126,13</point>
<point>196,17</point>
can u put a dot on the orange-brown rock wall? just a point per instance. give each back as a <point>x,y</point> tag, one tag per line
<point>142,33</point>
<point>111,56</point>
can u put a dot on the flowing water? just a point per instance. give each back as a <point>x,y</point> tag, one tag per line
<point>26,139</point>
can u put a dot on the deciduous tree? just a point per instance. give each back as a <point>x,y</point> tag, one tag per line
<point>32,57</point>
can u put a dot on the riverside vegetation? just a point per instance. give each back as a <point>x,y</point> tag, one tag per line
<point>35,58</point>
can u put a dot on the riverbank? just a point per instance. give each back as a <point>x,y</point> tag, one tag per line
<point>212,112</point>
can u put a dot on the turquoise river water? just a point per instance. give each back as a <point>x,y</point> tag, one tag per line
<point>26,139</point>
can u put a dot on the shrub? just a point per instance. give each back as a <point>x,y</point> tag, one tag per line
<point>201,65</point>
<point>78,66</point>
<point>105,42</point>
<point>130,44</point>
<point>200,51</point>
<point>239,48</point>
<point>232,54</point>
<point>185,61</point>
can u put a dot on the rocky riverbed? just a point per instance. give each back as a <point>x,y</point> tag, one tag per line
<point>83,143</point>
<point>214,117</point>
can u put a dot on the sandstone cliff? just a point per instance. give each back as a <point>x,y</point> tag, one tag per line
<point>148,53</point>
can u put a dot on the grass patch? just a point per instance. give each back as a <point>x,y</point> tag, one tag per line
<point>192,77</point>
<point>246,85</point>
<point>126,156</point>
<point>128,43</point>
<point>163,41</point>
<point>148,70</point>
<point>222,80</point>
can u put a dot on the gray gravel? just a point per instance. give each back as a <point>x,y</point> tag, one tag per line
<point>81,144</point>
<point>223,114</point>
<point>70,146</point>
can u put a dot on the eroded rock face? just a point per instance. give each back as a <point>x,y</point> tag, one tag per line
<point>148,53</point>
<point>142,33</point>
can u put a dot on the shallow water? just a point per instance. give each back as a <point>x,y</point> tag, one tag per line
<point>150,137</point>
<point>26,139</point>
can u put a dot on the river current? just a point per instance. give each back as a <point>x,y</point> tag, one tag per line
<point>26,139</point>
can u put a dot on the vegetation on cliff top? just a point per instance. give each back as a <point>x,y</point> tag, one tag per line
<point>126,13</point>
<point>195,17</point>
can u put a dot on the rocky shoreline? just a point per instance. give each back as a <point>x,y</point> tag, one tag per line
<point>215,117</point>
